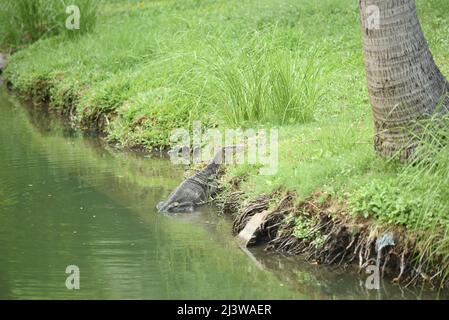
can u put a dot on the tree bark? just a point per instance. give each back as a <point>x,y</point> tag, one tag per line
<point>404,83</point>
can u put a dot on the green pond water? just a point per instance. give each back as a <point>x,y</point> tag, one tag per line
<point>66,199</point>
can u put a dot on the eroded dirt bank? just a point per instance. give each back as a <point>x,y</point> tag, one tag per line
<point>321,229</point>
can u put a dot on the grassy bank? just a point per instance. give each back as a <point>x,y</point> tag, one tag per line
<point>149,67</point>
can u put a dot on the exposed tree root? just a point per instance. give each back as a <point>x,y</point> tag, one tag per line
<point>333,237</point>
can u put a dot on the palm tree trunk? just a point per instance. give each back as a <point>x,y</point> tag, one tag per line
<point>404,83</point>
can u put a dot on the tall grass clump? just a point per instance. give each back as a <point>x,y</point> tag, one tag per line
<point>269,87</point>
<point>25,21</point>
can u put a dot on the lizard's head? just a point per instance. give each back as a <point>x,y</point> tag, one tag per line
<point>221,154</point>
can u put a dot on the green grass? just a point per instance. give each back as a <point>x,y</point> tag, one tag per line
<point>148,67</point>
<point>416,195</point>
<point>202,68</point>
<point>26,21</point>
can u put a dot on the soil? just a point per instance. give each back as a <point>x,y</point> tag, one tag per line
<point>330,236</point>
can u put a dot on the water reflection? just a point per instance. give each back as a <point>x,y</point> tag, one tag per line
<point>65,201</point>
